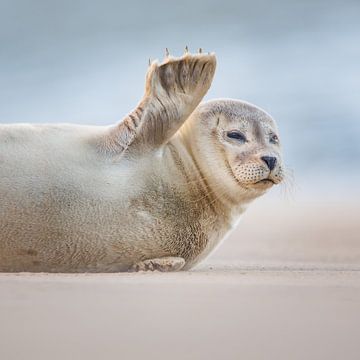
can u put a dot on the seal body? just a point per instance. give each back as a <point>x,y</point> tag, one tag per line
<point>157,191</point>
<point>65,207</point>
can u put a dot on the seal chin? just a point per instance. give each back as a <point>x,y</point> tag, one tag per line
<point>266,183</point>
<point>260,185</point>
<point>263,184</point>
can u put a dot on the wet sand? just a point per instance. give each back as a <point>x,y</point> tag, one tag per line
<point>286,295</point>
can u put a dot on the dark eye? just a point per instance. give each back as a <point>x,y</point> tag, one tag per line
<point>274,139</point>
<point>236,135</point>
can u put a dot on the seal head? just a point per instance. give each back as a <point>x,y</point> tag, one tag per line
<point>236,145</point>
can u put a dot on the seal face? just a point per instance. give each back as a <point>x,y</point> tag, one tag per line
<point>158,191</point>
<point>241,144</point>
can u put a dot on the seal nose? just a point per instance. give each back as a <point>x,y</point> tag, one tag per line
<point>270,161</point>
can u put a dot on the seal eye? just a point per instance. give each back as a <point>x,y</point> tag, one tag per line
<point>274,139</point>
<point>237,136</point>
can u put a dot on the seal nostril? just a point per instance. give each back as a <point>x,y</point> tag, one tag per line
<point>270,161</point>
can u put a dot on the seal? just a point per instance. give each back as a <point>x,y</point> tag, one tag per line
<point>158,191</point>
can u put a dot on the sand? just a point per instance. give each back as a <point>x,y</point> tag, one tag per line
<point>290,294</point>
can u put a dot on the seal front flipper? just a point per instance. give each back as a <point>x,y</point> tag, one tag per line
<point>173,90</point>
<point>161,264</point>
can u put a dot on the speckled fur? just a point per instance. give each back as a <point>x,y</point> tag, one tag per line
<point>163,183</point>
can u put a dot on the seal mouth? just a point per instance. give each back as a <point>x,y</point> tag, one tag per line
<point>266,181</point>
<point>263,184</point>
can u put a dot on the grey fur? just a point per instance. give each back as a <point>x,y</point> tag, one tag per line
<point>158,191</point>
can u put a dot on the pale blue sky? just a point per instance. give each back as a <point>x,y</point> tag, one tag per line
<point>85,61</point>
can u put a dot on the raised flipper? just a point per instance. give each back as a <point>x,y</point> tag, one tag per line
<point>173,90</point>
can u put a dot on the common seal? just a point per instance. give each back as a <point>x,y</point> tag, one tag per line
<point>157,191</point>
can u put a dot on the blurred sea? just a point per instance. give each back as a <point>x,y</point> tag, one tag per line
<point>85,61</point>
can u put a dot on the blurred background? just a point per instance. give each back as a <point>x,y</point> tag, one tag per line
<point>85,61</point>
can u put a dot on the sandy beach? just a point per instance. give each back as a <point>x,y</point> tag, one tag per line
<point>290,294</point>
<point>199,315</point>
